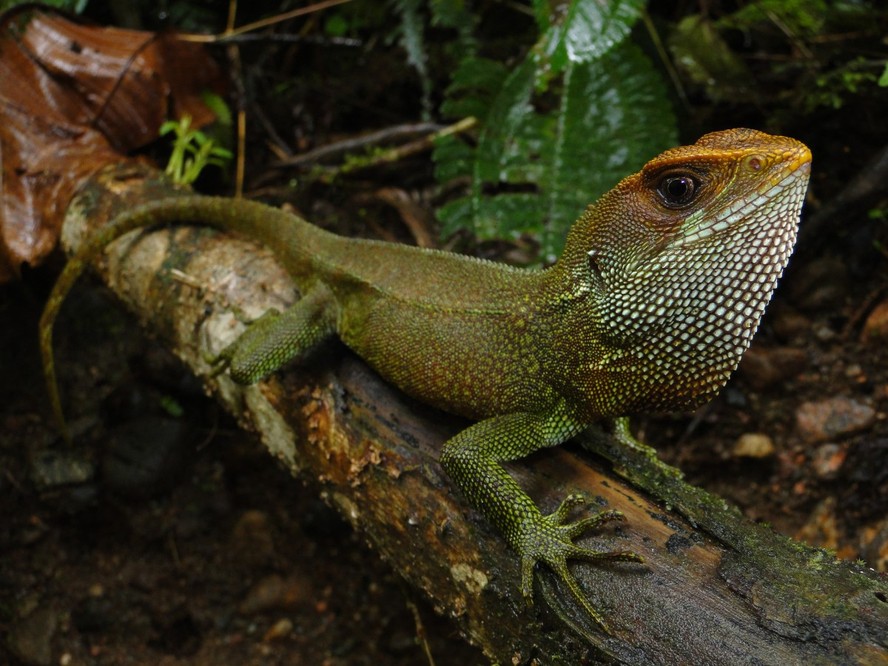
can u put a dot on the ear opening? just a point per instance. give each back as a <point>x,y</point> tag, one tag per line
<point>595,269</point>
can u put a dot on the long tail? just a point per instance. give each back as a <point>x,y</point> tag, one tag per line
<point>258,221</point>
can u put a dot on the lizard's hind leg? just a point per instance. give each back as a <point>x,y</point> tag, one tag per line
<point>277,338</point>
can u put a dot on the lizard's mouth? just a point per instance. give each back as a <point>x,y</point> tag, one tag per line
<point>802,161</point>
<point>789,185</point>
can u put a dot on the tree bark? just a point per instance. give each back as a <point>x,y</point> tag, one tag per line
<point>715,589</point>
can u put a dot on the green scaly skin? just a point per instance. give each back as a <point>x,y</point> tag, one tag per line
<point>659,290</point>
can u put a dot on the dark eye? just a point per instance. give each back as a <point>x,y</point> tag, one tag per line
<point>677,190</point>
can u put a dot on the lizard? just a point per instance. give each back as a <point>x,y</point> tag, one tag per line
<point>658,292</point>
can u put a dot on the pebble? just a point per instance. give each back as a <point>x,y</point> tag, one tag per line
<point>762,367</point>
<point>753,445</point>
<point>875,328</point>
<point>52,468</point>
<point>280,629</point>
<point>264,595</point>
<point>828,460</point>
<point>832,418</point>
<point>821,530</point>
<point>252,543</point>
<point>824,332</point>
<point>275,592</point>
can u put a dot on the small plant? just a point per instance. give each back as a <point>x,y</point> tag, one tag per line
<point>583,108</point>
<point>192,151</point>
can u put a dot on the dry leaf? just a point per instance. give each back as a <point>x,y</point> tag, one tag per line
<point>74,98</point>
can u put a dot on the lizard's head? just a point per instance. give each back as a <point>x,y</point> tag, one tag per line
<point>681,259</point>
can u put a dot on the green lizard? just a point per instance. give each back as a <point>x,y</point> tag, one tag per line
<point>657,294</point>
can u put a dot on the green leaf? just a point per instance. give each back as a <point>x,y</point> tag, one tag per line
<point>614,117</point>
<point>500,153</point>
<point>218,106</point>
<point>587,30</point>
<point>534,172</point>
<point>704,57</point>
<point>473,88</point>
<point>336,26</point>
<point>453,158</point>
<point>499,144</point>
<point>798,17</point>
<point>411,29</point>
<point>511,214</point>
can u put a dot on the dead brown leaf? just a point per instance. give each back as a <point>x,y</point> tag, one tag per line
<point>74,98</point>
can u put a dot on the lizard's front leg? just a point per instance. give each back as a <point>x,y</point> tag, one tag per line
<point>472,459</point>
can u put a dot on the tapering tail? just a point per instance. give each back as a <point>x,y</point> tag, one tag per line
<point>260,222</point>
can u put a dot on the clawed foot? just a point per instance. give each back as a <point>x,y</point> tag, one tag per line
<point>623,434</point>
<point>550,539</point>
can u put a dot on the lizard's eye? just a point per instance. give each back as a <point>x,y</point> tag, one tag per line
<point>677,190</point>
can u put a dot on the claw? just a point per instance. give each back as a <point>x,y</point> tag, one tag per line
<point>550,539</point>
<point>564,574</point>
<point>612,555</point>
<point>527,565</point>
<point>560,514</point>
<point>576,529</point>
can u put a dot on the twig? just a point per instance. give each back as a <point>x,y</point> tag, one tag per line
<point>358,143</point>
<point>390,155</point>
<point>264,23</point>
<point>288,39</point>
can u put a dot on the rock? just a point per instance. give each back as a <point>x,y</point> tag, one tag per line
<point>875,328</point>
<point>832,418</point>
<point>52,468</point>
<point>280,629</point>
<point>753,445</point>
<point>828,460</point>
<point>31,637</point>
<point>762,367</point>
<point>821,530</point>
<point>252,542</point>
<point>276,593</point>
